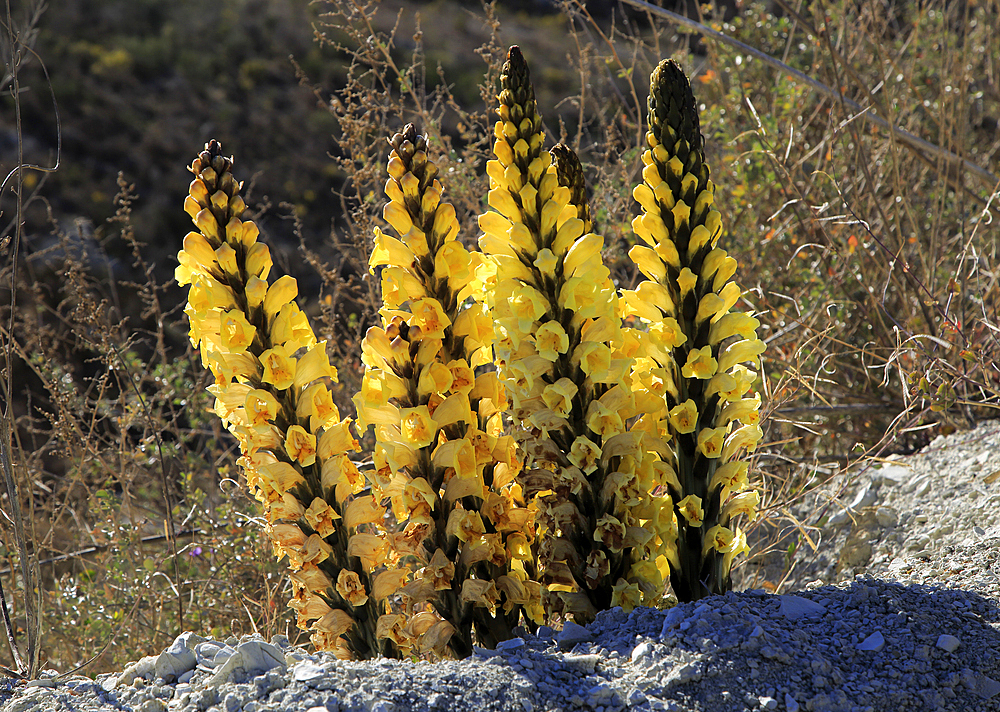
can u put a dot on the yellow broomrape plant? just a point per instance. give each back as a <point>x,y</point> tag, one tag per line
<point>272,390</point>
<point>545,444</point>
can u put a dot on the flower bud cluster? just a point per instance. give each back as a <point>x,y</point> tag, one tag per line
<point>697,358</point>
<point>561,354</point>
<point>272,390</point>
<point>442,459</point>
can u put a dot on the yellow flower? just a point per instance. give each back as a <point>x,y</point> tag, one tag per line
<point>546,262</point>
<point>746,351</point>
<point>719,538</point>
<point>429,316</point>
<point>463,378</point>
<point>259,261</point>
<point>282,292</point>
<point>453,262</point>
<point>337,439</point>
<point>457,454</point>
<point>700,364</point>
<point>528,305</point>
<point>551,340</point>
<point>279,367</point>
<point>690,508</point>
<point>710,441</point>
<point>466,525</point>
<point>743,503</point>
<point>350,587</point>
<point>667,332</point>
<point>686,281</point>
<point>300,445</point>
<point>237,333</point>
<point>400,285</point>
<point>388,582</point>
<point>558,396</point>
<point>316,404</point>
<point>261,407</point>
<point>594,360</point>
<point>435,378</point>
<point>732,476</point>
<point>584,454</point>
<point>603,420</point>
<point>684,417</point>
<point>389,251</point>
<point>320,516</point>
<point>746,410</point>
<point>745,437</point>
<point>313,365</point>
<point>625,594</point>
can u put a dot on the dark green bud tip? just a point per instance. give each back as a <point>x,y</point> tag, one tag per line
<point>673,114</point>
<point>570,173</point>
<point>516,79</point>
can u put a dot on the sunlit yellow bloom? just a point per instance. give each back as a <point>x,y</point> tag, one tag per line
<point>719,538</point>
<point>466,525</point>
<point>463,378</point>
<point>746,351</point>
<point>400,285</point>
<point>341,475</point>
<point>684,417</point>
<point>546,262</point>
<point>691,510</point>
<point>226,257</point>
<point>300,445</point>
<point>686,281</point>
<point>594,360</point>
<point>584,454</point>
<point>280,293</point>
<point>198,249</point>
<point>389,251</point>
<point>256,291</point>
<point>457,454</point>
<point>745,437</point>
<point>237,333</point>
<point>732,476</point>
<point>313,365</point>
<point>259,261</point>
<point>280,476</point>
<point>743,503</point>
<point>603,420</point>
<point>528,305</point>
<point>436,378</point>
<point>320,516</point>
<point>733,324</point>
<point>739,546</point>
<point>452,262</point>
<point>350,587</point>
<point>337,439</point>
<point>429,317</point>
<point>370,548</point>
<point>710,441</point>
<point>388,582</point>
<point>700,364</point>
<point>625,594</point>
<point>316,404</point>
<point>261,407</point>
<point>363,510</point>
<point>746,410</point>
<point>279,367</point>
<point>558,396</point>
<point>551,340</point>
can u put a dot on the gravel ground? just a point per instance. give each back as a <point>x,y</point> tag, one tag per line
<point>897,609</point>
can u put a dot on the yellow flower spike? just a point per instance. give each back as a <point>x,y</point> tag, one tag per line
<point>710,441</point>
<point>691,509</point>
<point>300,445</point>
<point>700,364</point>
<point>684,417</point>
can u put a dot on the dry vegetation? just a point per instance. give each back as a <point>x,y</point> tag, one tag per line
<point>872,264</point>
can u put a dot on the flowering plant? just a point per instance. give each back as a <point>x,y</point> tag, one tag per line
<point>545,443</point>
